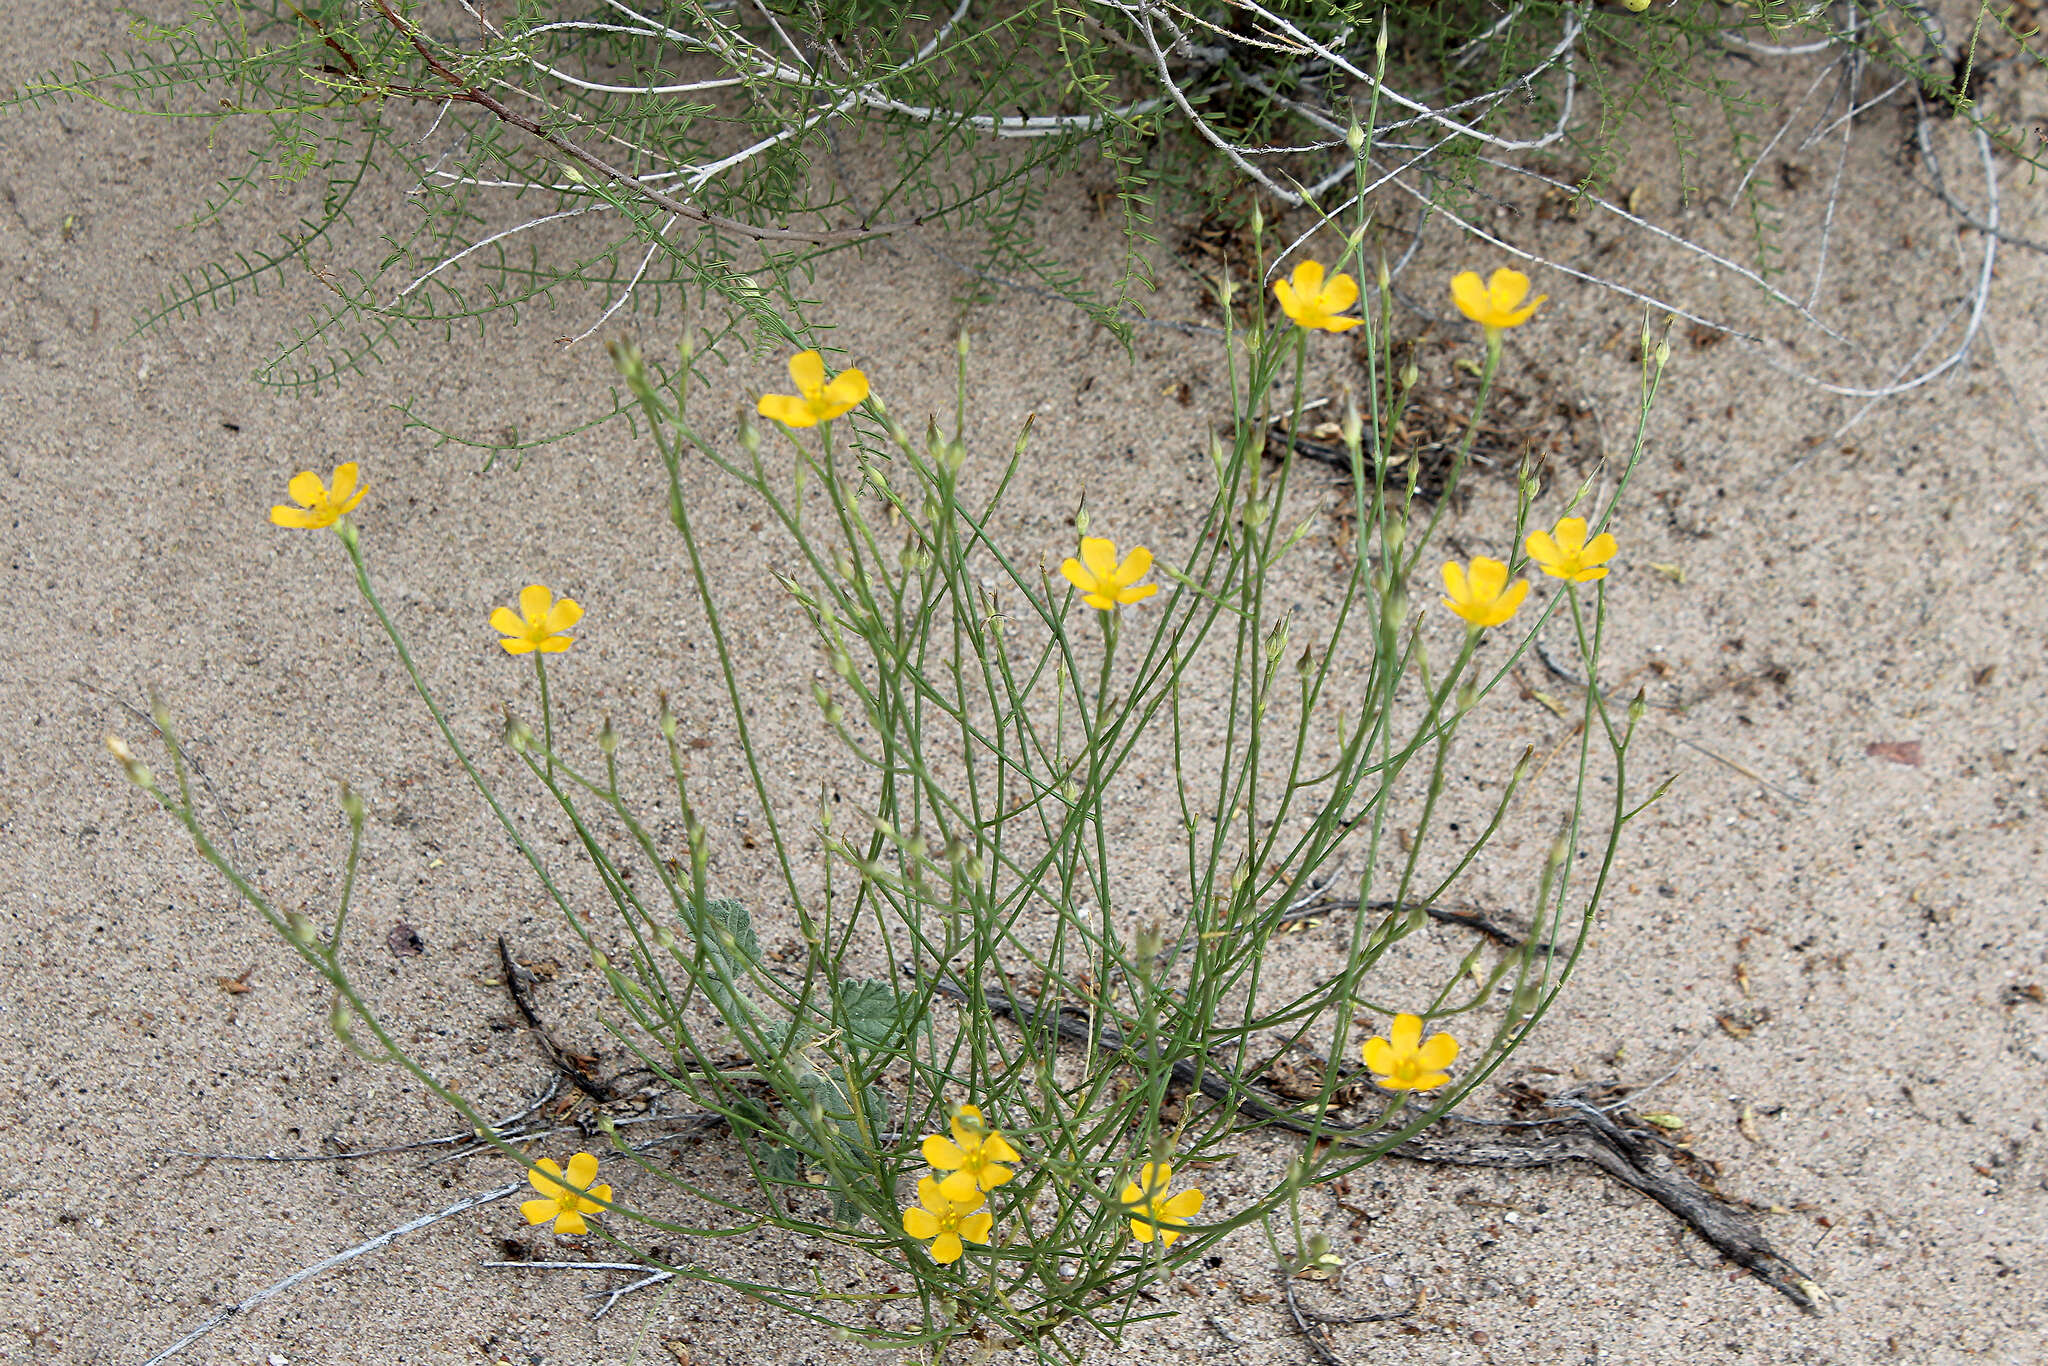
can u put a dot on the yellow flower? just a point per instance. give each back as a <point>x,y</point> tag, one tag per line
<point>943,1222</point>
<point>566,1205</point>
<point>815,400</point>
<point>1404,1062</point>
<point>1565,553</point>
<point>319,505</point>
<point>976,1150</point>
<point>1103,582</point>
<point>1496,305</point>
<point>1151,1215</point>
<point>1482,596</point>
<point>543,623</point>
<point>1309,302</point>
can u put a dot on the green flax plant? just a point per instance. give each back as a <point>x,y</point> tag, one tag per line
<point>971,955</point>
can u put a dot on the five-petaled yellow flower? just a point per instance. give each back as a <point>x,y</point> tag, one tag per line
<point>943,1222</point>
<point>565,1204</point>
<point>1482,595</point>
<point>1565,553</point>
<point>815,401</point>
<point>1152,1216</point>
<point>1103,582</point>
<point>1498,304</point>
<point>1403,1062</point>
<point>976,1151</point>
<point>1310,302</point>
<point>539,622</point>
<point>319,504</point>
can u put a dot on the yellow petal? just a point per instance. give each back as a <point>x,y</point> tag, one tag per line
<point>1156,1176</point>
<point>919,1223</point>
<point>582,1170</point>
<point>1308,281</point>
<point>992,1174</point>
<point>1507,603</point>
<point>997,1149</point>
<point>1339,294</point>
<point>297,518</point>
<point>1141,1230</point>
<point>1487,576</point>
<point>1184,1206</point>
<point>1343,324</point>
<point>1290,302</point>
<point>1099,554</point>
<point>1076,575</point>
<point>929,1195</point>
<point>1138,594</point>
<point>1101,602</point>
<point>563,615</point>
<point>807,368</point>
<point>1507,289</point>
<point>506,622</point>
<point>1405,1034</point>
<point>517,645</point>
<point>847,392</point>
<point>344,486</point>
<point>1167,1236</point>
<point>1601,549</point>
<point>1571,535</point>
<point>1470,296</point>
<point>571,1224</point>
<point>533,604</point>
<point>791,412</point>
<point>307,490</point>
<point>946,1249</point>
<point>943,1153</point>
<point>1544,551</point>
<point>596,1194</point>
<point>960,1188</point>
<point>542,1183</point>
<point>1437,1053</point>
<point>1455,585</point>
<point>1428,1081</point>
<point>1379,1055</point>
<point>539,1211</point>
<point>1136,566</point>
<point>974,1228</point>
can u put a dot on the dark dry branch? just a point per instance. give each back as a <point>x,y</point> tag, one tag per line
<point>566,1063</point>
<point>1577,1132</point>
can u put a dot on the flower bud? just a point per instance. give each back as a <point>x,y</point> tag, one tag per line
<point>137,771</point>
<point>352,806</point>
<point>953,455</point>
<point>1352,428</point>
<point>1637,706</point>
<point>1468,695</point>
<point>664,937</point>
<point>1256,511</point>
<point>750,435</point>
<point>963,343</point>
<point>518,734</point>
<point>832,711</point>
<point>1381,276</point>
<point>599,961</point>
<point>1408,375</point>
<point>1276,642</point>
<point>667,719</point>
<point>842,663</point>
<point>299,928</point>
<point>1380,43</point>
<point>607,739</point>
<point>1258,219</point>
<point>572,174</point>
<point>1662,353</point>
<point>1354,137</point>
<point>1081,520</point>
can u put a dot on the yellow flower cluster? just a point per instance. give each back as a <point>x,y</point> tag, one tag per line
<point>955,1208</point>
<point>1481,594</point>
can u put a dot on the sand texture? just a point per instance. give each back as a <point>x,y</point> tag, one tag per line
<point>1834,926</point>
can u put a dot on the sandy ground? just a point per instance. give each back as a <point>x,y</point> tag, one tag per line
<point>1855,884</point>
